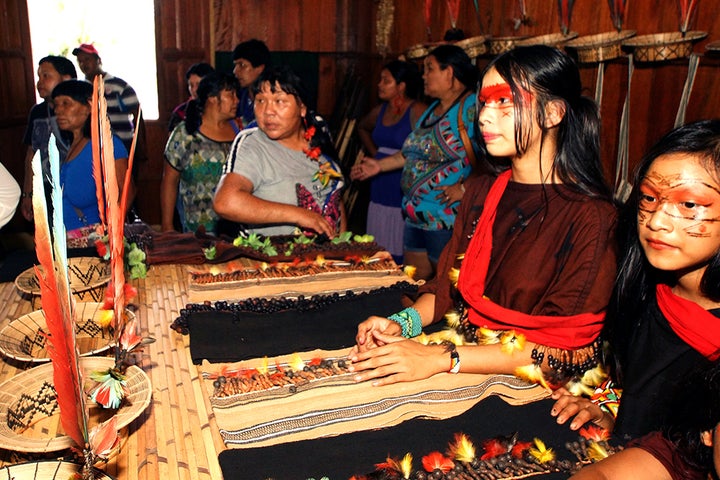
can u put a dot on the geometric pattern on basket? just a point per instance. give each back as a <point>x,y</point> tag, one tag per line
<point>87,273</point>
<point>89,327</point>
<point>28,344</point>
<point>654,53</point>
<point>21,414</point>
<point>94,294</point>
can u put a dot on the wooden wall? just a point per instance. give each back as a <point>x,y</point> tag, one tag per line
<point>342,32</point>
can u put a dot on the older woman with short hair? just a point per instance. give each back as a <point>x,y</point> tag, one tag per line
<point>72,100</point>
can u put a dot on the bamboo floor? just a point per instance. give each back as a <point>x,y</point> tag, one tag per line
<point>176,436</point>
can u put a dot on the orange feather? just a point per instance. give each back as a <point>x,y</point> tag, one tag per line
<point>57,303</point>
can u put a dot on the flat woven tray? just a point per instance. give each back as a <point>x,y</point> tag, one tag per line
<point>713,47</point>
<point>25,338</point>
<point>498,45</point>
<point>85,273</point>
<point>47,470</point>
<point>473,46</point>
<point>29,413</point>
<point>556,40</point>
<point>660,47</point>
<point>599,47</point>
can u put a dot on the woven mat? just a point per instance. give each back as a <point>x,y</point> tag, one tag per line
<point>337,276</point>
<point>333,410</point>
<point>357,453</point>
<point>230,336</point>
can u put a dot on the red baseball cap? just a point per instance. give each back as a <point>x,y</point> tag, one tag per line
<point>86,48</point>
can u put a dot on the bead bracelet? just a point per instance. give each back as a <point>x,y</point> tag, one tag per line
<point>409,321</point>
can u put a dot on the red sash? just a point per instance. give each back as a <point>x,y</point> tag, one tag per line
<point>696,326</point>
<point>566,332</point>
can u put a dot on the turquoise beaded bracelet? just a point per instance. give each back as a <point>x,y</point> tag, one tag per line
<point>409,321</point>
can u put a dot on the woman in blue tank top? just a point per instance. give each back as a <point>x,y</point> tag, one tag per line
<point>383,132</point>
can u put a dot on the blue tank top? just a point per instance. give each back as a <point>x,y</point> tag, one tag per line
<point>385,187</point>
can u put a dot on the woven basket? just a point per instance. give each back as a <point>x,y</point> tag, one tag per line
<point>713,48</point>
<point>417,52</point>
<point>659,47</point>
<point>473,46</point>
<point>556,40</point>
<point>47,470</point>
<point>498,45</point>
<point>87,275</point>
<point>29,414</point>
<point>599,47</point>
<point>24,339</point>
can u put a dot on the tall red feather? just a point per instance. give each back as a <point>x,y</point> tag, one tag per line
<point>96,166</point>
<point>57,303</point>
<point>113,214</point>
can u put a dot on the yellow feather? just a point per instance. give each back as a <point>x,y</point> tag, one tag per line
<point>462,449</point>
<point>533,374</point>
<point>597,452</point>
<point>453,318</point>
<point>406,465</point>
<point>541,453</point>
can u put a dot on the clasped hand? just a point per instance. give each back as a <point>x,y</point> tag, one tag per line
<point>383,355</point>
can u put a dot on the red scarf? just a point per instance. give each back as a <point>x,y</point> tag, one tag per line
<point>696,326</point>
<point>566,332</point>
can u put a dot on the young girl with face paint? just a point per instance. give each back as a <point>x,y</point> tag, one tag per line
<point>663,317</point>
<point>533,241</point>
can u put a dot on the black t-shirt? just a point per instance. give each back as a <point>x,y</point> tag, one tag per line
<point>656,361</point>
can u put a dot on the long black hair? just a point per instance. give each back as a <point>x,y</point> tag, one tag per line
<point>551,75</point>
<point>285,79</point>
<point>455,57</point>
<point>210,86</point>
<point>696,409</point>
<point>637,279</point>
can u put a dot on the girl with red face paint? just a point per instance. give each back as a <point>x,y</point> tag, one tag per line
<point>533,241</point>
<point>663,318</point>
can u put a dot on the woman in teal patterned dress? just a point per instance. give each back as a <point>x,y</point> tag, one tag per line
<point>436,158</point>
<point>196,153</point>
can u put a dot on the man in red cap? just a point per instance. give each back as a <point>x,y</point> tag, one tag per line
<point>122,102</point>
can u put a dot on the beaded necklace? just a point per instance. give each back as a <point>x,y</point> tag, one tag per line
<point>325,169</point>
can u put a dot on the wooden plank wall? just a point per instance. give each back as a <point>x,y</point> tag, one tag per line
<point>17,89</point>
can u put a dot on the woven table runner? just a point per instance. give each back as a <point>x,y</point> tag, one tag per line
<point>336,409</point>
<point>230,333</point>
<point>356,453</point>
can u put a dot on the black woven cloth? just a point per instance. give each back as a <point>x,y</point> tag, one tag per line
<point>233,332</point>
<point>338,458</point>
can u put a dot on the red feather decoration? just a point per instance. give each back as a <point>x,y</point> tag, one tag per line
<point>57,302</point>
<point>493,448</point>
<point>428,18</point>
<point>454,10</point>
<point>437,461</point>
<point>113,214</point>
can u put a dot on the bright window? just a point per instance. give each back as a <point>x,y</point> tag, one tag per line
<point>123,33</point>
